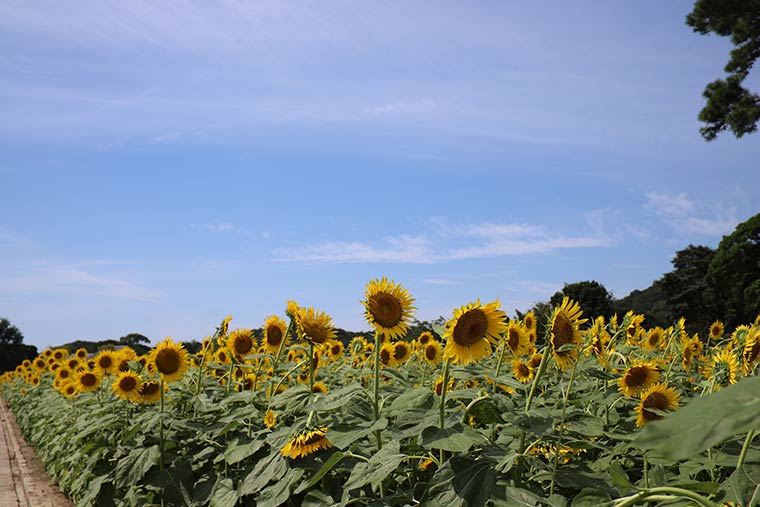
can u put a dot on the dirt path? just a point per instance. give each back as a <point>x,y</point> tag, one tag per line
<point>23,480</point>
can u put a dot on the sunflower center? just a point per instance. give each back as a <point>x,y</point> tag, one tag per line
<point>424,339</point>
<point>513,338</point>
<point>335,350</point>
<point>636,376</point>
<point>243,344</point>
<point>274,335</point>
<point>88,380</point>
<point>386,310</point>
<point>313,438</point>
<point>654,339</point>
<point>399,351</point>
<point>470,327</point>
<point>385,357</point>
<point>522,370</point>
<point>149,388</point>
<point>127,384</point>
<point>529,323</point>
<point>167,361</point>
<point>655,400</point>
<point>316,332</point>
<point>562,329</point>
<point>105,362</point>
<point>430,352</point>
<point>63,373</point>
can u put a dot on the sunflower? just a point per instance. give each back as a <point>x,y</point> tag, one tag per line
<point>240,343</point>
<point>149,392</point>
<point>692,348</point>
<point>534,361</point>
<point>315,326</point>
<point>60,354</point>
<point>306,443</point>
<point>472,331</point>
<point>69,389</point>
<point>357,346</point>
<point>659,397</point>
<point>40,363</point>
<point>319,387</point>
<point>388,307</point>
<point>529,322</point>
<point>224,326</point>
<point>517,339</point>
<point>600,341</point>
<point>336,351</point>
<point>716,330</point>
<point>655,338</point>
<point>63,373</point>
<point>105,362</point>
<point>87,381</point>
<point>401,352</point>
<point>269,419</point>
<point>438,386</point>
<point>171,360</point>
<point>424,338</point>
<point>521,371</point>
<point>637,378</point>
<point>564,333</point>
<point>751,350</point>
<point>433,352</point>
<point>222,356</point>
<point>274,332</point>
<point>127,385</point>
<point>122,364</point>
<point>387,355</point>
<point>723,368</point>
<point>634,331</point>
<point>291,309</point>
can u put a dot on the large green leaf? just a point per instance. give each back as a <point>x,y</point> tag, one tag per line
<point>342,435</point>
<point>379,466</point>
<point>279,492</point>
<point>457,438</point>
<point>461,482</point>
<point>328,465</point>
<point>273,467</point>
<point>336,399</point>
<point>704,422</point>
<point>419,398</point>
<point>224,494</point>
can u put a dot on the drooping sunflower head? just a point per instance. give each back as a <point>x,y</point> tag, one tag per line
<point>170,359</point>
<point>127,385</point>
<point>716,330</point>
<point>87,380</point>
<point>659,397</point>
<point>564,333</point>
<point>224,326</point>
<point>535,361</point>
<point>319,387</point>
<point>306,443</point>
<point>315,326</point>
<point>291,309</point>
<point>388,307</point>
<point>149,392</point>
<point>637,378</point>
<point>521,371</point>
<point>240,343</point>
<point>473,329</point>
<point>274,333</point>
<point>516,339</point>
<point>433,352</point>
<point>634,331</point>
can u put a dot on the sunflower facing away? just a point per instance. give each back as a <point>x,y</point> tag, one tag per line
<point>274,332</point>
<point>170,359</point>
<point>388,307</point>
<point>637,378</point>
<point>127,385</point>
<point>473,329</point>
<point>563,331</point>
<point>659,397</point>
<point>315,326</point>
<point>306,443</point>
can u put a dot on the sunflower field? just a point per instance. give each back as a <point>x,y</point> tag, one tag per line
<point>485,410</point>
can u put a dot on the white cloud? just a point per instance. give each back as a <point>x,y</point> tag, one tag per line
<point>446,242</point>
<point>682,215</point>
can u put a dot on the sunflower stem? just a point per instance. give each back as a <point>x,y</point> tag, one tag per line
<point>444,385</point>
<point>537,378</point>
<point>376,389</point>
<point>229,374</point>
<point>745,449</point>
<point>311,367</point>
<point>161,426</point>
<point>203,361</point>
<point>662,491</point>
<point>498,365</point>
<point>562,426</point>
<point>282,346</point>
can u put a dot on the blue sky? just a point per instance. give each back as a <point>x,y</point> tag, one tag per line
<point>164,164</point>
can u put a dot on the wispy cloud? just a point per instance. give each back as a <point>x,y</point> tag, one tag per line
<point>223,227</point>
<point>446,242</point>
<point>683,215</point>
<point>47,279</point>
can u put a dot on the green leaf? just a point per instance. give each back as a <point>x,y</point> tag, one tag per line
<point>518,497</point>
<point>224,494</point>
<point>279,492</point>
<point>589,497</point>
<point>270,468</point>
<point>342,435</point>
<point>743,486</point>
<point>619,478</point>
<point>457,438</point>
<point>237,452</point>
<point>419,398</point>
<point>336,399</point>
<point>385,461</point>
<point>333,460</point>
<point>461,482</point>
<point>132,468</point>
<point>704,422</point>
<point>486,412</point>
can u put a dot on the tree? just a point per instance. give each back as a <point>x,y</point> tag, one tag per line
<point>9,334</point>
<point>730,105</point>
<point>735,268</point>
<point>593,297</point>
<point>689,290</point>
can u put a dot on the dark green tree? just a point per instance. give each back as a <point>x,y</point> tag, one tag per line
<point>730,105</point>
<point>651,302</point>
<point>9,334</point>
<point>593,297</point>
<point>689,290</point>
<point>735,269</point>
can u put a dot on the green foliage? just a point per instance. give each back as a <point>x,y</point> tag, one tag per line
<point>593,297</point>
<point>9,334</point>
<point>730,105</point>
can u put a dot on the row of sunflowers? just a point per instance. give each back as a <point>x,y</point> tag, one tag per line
<point>485,410</point>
